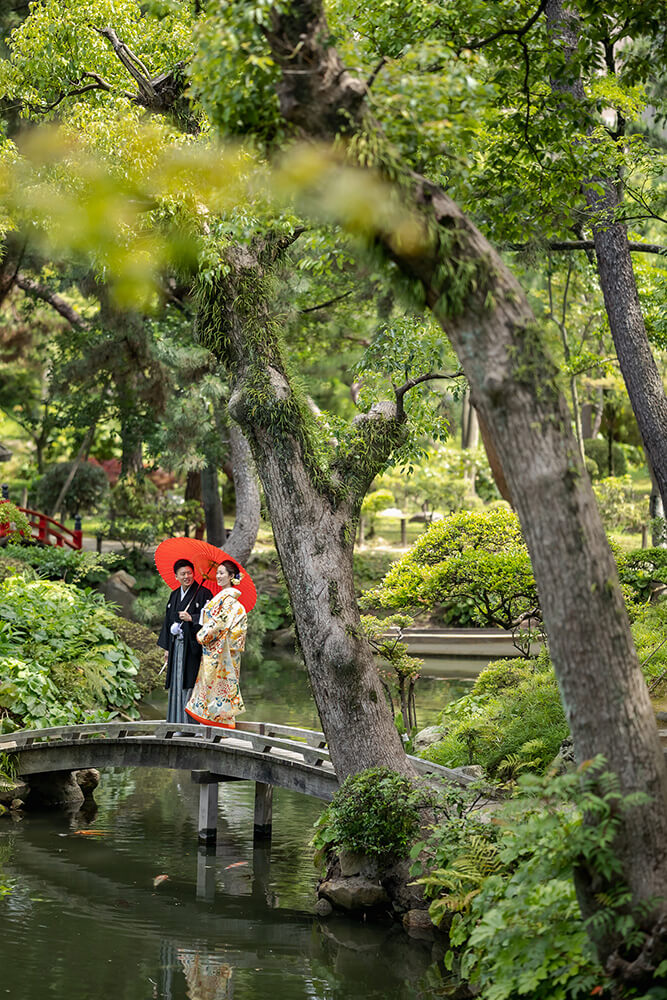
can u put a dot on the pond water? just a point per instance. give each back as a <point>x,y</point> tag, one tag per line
<point>82,917</point>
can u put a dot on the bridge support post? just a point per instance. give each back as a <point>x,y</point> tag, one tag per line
<point>263,811</point>
<point>206,873</point>
<point>208,812</point>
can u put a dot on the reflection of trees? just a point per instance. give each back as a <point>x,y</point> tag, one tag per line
<point>206,978</point>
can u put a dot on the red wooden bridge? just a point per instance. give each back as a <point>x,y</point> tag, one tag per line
<point>45,529</point>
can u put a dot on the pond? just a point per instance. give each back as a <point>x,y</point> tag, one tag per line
<point>86,911</point>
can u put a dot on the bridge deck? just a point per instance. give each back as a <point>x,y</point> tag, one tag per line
<point>270,753</point>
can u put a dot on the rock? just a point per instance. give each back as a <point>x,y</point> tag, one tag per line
<point>564,760</point>
<point>353,863</point>
<point>427,737</point>
<point>471,770</point>
<point>88,778</point>
<point>418,924</point>
<point>396,880</point>
<point>661,716</point>
<point>55,789</point>
<point>17,804</point>
<point>323,907</point>
<point>356,893</point>
<point>116,591</point>
<point>126,579</point>
<point>10,790</point>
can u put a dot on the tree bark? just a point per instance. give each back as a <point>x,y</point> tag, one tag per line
<point>213,513</point>
<point>243,535</point>
<point>514,389</point>
<point>313,512</point>
<point>617,280</point>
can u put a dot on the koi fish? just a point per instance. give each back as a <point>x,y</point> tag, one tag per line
<point>91,833</point>
<point>237,864</point>
<point>159,879</point>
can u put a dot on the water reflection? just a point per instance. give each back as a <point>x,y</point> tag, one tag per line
<point>85,910</point>
<point>206,977</point>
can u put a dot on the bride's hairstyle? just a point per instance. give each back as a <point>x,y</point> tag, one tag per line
<point>232,569</point>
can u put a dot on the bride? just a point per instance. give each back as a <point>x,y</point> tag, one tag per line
<point>216,697</point>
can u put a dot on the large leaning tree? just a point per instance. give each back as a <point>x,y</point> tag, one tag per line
<point>484,312</point>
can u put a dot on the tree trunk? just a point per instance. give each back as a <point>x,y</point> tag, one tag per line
<point>243,535</point>
<point>193,490</point>
<point>81,453</point>
<point>213,513</point>
<point>312,515</point>
<point>514,389</point>
<point>617,280</point>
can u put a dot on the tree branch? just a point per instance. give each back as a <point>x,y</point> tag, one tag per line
<point>567,245</point>
<point>33,288</point>
<point>411,383</point>
<point>516,32</point>
<point>99,84</point>
<point>329,302</point>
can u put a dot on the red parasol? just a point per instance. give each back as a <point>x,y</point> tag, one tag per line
<point>205,558</point>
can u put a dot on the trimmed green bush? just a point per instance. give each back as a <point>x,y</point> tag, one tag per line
<point>469,569</point>
<point>376,812</point>
<point>597,449</point>
<point>86,492</point>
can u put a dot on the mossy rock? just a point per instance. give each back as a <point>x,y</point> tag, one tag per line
<point>144,643</point>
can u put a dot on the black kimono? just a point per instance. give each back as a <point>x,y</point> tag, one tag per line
<point>193,602</point>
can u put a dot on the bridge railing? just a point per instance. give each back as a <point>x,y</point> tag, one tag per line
<point>46,529</point>
<point>274,740</point>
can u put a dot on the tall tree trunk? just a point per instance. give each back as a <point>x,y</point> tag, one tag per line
<point>617,280</point>
<point>514,388</point>
<point>243,535</point>
<point>193,491</point>
<point>213,513</point>
<point>313,512</point>
<point>80,455</point>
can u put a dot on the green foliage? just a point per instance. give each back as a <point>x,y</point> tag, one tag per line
<point>540,838</point>
<point>13,522</point>
<point>143,643</point>
<point>375,812</point>
<point>140,515</point>
<point>86,492</point>
<point>644,571</point>
<point>598,450</point>
<point>471,568</point>
<point>622,506</point>
<point>649,630</point>
<point>61,661</point>
<point>511,720</point>
<point>69,565</point>
<point>404,670</point>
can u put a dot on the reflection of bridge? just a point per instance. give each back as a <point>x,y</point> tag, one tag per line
<point>263,752</point>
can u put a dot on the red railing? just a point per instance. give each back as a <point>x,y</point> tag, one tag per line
<point>47,530</point>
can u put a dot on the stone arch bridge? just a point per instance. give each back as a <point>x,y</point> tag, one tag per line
<point>267,753</point>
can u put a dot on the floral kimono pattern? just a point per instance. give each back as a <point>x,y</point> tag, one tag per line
<point>216,697</point>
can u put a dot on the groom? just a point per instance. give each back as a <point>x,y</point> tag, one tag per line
<point>178,638</point>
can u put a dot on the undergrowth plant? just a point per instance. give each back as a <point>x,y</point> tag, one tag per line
<point>60,660</point>
<point>495,885</point>
<point>376,812</point>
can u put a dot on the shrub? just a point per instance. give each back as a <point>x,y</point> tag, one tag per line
<point>376,812</point>
<point>597,449</point>
<point>644,571</point>
<point>143,643</point>
<point>69,565</point>
<point>61,659</point>
<point>511,720</point>
<point>86,492</point>
<point>621,506</point>
<point>138,514</point>
<point>470,569</point>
